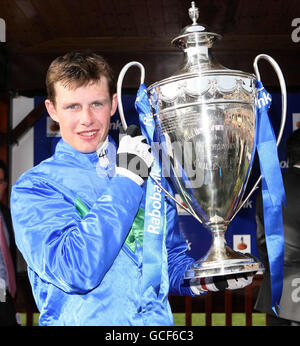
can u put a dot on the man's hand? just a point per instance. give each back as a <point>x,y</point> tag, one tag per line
<point>134,158</point>
<point>218,283</point>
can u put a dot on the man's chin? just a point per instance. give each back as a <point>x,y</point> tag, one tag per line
<point>85,148</point>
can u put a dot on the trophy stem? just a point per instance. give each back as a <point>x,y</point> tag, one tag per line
<point>219,250</point>
<point>221,259</point>
<point>218,247</point>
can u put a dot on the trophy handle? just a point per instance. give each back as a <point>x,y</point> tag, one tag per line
<point>124,124</point>
<point>283,110</point>
<point>119,87</point>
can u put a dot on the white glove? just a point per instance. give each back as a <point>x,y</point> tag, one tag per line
<point>134,158</point>
<point>218,283</point>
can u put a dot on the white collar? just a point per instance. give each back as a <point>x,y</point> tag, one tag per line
<point>101,150</point>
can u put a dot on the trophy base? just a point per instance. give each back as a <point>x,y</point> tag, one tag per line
<point>233,263</point>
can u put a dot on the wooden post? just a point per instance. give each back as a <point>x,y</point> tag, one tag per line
<point>248,305</point>
<point>188,310</point>
<point>228,307</point>
<point>208,308</point>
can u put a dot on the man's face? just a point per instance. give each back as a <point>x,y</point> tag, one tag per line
<point>83,114</point>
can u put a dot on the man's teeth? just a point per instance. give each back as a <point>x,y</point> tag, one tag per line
<point>88,134</point>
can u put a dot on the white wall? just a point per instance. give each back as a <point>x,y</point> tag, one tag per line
<point>2,30</point>
<point>22,153</point>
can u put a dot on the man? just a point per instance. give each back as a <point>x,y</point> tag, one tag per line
<point>78,216</point>
<point>289,312</point>
<point>7,273</point>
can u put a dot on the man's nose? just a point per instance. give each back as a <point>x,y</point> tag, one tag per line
<point>86,117</point>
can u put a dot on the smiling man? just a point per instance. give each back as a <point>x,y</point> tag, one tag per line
<point>84,124</point>
<point>79,215</point>
<point>82,102</point>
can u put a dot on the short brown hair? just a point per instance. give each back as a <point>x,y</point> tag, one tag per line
<point>76,69</point>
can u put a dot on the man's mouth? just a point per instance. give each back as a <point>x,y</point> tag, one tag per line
<point>88,134</point>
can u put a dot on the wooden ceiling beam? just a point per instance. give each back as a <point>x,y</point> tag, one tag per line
<point>159,44</point>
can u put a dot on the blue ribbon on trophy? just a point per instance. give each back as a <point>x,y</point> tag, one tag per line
<point>155,200</point>
<point>273,193</point>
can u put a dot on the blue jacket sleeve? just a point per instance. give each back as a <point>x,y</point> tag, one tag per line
<point>178,260</point>
<point>72,253</point>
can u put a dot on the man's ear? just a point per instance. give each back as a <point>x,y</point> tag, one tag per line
<point>114,104</point>
<point>51,109</point>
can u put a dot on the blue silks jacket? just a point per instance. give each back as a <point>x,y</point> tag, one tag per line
<point>81,270</point>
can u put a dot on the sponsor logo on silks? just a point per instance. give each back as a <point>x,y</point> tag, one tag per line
<point>81,207</point>
<point>135,235</point>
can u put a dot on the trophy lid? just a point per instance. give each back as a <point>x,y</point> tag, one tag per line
<point>195,34</point>
<point>196,42</point>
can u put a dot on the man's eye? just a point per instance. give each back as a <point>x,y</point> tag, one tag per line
<point>73,107</point>
<point>97,104</point>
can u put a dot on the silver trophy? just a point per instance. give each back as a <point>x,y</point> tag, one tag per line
<point>205,115</point>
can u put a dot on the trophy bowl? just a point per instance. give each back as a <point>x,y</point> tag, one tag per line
<point>205,117</point>
<point>206,127</point>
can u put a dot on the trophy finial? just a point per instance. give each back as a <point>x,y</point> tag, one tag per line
<point>194,32</point>
<point>194,13</point>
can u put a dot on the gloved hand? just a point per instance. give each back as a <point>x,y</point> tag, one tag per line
<point>134,158</point>
<point>218,283</point>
